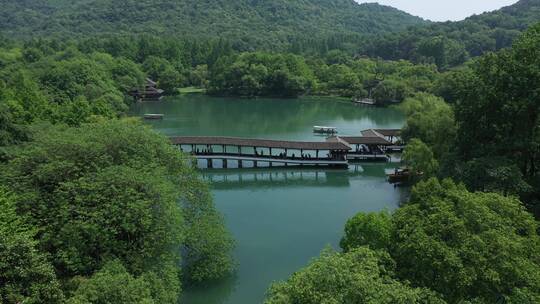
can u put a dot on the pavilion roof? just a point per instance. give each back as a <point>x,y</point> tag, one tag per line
<point>364,140</point>
<point>389,132</point>
<point>259,143</point>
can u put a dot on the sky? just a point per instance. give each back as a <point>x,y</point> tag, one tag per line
<point>444,10</point>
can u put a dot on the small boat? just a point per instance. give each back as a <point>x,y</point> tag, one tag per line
<point>153,116</point>
<point>400,176</point>
<point>365,102</point>
<point>324,130</point>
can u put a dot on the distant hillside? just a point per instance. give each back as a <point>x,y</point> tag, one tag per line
<point>451,43</point>
<point>249,20</point>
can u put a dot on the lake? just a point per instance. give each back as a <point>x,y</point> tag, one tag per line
<point>280,218</point>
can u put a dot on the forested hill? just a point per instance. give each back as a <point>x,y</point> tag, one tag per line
<point>452,43</point>
<point>249,20</point>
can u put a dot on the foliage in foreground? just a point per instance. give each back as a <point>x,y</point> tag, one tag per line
<point>25,272</point>
<point>488,136</point>
<point>445,245</point>
<point>116,192</point>
<point>480,247</point>
<point>359,276</point>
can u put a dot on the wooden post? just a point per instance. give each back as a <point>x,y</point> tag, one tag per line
<point>240,164</point>
<point>255,164</point>
<point>210,163</point>
<point>239,150</point>
<point>224,164</point>
<point>317,154</point>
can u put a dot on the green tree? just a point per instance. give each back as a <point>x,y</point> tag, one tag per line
<point>25,273</point>
<point>170,80</point>
<point>116,190</point>
<point>10,131</point>
<point>419,158</point>
<point>431,120</point>
<point>467,246</point>
<point>371,229</point>
<point>207,242</point>
<point>390,90</point>
<point>198,77</point>
<point>155,66</point>
<point>498,117</point>
<point>112,284</point>
<point>359,276</point>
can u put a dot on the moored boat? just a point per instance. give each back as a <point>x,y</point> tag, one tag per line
<point>324,130</point>
<point>365,102</point>
<point>153,116</point>
<point>400,176</point>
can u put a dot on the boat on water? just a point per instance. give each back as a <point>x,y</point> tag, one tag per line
<point>400,176</point>
<point>324,130</point>
<point>365,102</point>
<point>154,116</point>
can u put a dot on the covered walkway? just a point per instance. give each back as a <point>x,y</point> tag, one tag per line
<point>256,151</point>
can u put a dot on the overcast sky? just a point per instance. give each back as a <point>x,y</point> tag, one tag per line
<point>444,10</point>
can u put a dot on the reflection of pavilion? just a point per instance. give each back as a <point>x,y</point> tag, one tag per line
<point>263,178</point>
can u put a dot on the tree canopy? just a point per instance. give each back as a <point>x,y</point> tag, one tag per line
<point>117,191</point>
<point>358,276</point>
<point>477,247</point>
<point>25,272</point>
<point>250,24</point>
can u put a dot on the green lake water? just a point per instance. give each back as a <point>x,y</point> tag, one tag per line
<point>280,218</point>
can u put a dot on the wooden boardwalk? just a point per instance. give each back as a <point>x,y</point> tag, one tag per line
<point>336,151</point>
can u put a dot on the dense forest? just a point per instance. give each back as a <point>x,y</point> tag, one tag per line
<point>98,208</point>
<point>250,24</point>
<point>449,44</point>
<point>311,28</point>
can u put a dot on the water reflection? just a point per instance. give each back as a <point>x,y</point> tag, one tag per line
<point>283,177</point>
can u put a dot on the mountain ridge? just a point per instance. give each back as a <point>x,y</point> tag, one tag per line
<point>229,19</point>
